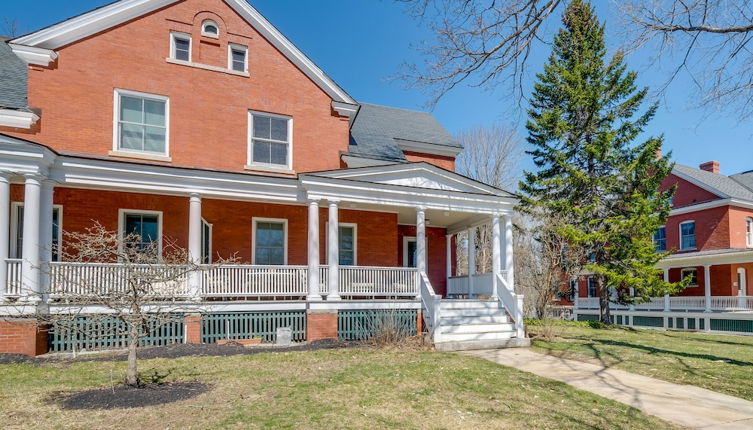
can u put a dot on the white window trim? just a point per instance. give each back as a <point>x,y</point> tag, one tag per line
<point>355,241</point>
<point>689,269</point>
<point>679,230</point>
<point>211,233</point>
<point>116,136</point>
<point>749,234</point>
<point>210,22</point>
<point>14,228</point>
<point>406,240</point>
<point>589,280</point>
<point>284,221</point>
<point>742,281</point>
<point>121,224</point>
<point>250,164</point>
<point>230,48</point>
<point>184,36</point>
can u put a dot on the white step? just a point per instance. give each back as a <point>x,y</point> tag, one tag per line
<point>514,342</point>
<point>473,312</point>
<point>474,319</point>
<point>462,337</point>
<point>476,328</point>
<point>465,304</point>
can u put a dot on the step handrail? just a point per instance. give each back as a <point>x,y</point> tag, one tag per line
<point>430,303</point>
<point>513,303</point>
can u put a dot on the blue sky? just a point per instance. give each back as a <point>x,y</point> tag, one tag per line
<point>362,43</point>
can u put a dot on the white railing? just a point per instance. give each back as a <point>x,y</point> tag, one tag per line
<point>14,277</point>
<point>248,281</point>
<point>732,303</point>
<point>474,286</point>
<point>458,286</point>
<point>654,304</point>
<point>679,303</point>
<point>512,302</point>
<point>687,303</point>
<point>377,281</point>
<point>87,279</point>
<point>588,303</point>
<point>430,303</point>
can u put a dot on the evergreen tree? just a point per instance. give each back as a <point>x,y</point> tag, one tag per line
<point>583,122</point>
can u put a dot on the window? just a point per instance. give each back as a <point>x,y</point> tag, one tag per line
<point>687,235</point>
<point>270,140</point>
<point>147,225</point>
<point>237,58</point>
<point>749,232</point>
<point>573,289</point>
<point>270,241</point>
<point>141,123</point>
<point>660,239</point>
<point>180,46</point>
<point>206,242</point>
<point>692,273</point>
<point>17,231</point>
<point>210,28</point>
<point>347,244</point>
<point>592,287</point>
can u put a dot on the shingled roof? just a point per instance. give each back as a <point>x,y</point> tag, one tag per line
<point>738,186</point>
<point>13,78</point>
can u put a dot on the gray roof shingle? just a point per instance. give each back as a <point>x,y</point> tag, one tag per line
<point>13,78</point>
<point>732,186</point>
<point>376,130</point>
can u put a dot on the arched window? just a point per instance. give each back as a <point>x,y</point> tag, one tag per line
<point>210,28</point>
<point>749,232</point>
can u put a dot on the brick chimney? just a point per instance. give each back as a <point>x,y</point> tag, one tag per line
<point>710,166</point>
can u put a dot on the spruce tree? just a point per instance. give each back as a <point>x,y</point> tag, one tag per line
<point>583,125</point>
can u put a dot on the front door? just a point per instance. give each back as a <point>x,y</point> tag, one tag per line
<point>411,253</point>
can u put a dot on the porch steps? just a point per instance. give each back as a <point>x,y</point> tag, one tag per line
<point>475,324</point>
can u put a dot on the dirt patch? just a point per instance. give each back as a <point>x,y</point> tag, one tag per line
<point>122,396</point>
<point>16,359</point>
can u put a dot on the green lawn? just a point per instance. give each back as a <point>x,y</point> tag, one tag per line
<point>717,362</point>
<point>345,388</point>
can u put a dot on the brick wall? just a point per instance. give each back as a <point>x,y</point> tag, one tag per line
<point>132,56</point>
<point>737,217</point>
<point>22,336</point>
<point>193,328</point>
<point>437,254</point>
<point>437,160</point>
<point>712,229</point>
<point>687,193</point>
<point>321,325</point>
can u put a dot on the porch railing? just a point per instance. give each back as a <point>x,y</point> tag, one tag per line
<point>377,281</point>
<point>462,285</point>
<point>245,280</point>
<point>679,303</point>
<point>14,277</point>
<point>84,279</point>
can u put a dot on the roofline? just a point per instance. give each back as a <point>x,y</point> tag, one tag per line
<point>699,183</point>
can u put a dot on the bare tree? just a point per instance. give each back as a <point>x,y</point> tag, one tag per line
<point>11,27</point>
<point>146,288</point>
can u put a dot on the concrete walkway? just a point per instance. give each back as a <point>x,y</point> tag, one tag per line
<point>684,405</point>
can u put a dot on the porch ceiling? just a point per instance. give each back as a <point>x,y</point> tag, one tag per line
<point>407,215</point>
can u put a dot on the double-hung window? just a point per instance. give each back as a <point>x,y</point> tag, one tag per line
<point>749,232</point>
<point>141,123</point>
<point>144,227</point>
<point>687,235</point>
<point>660,239</point>
<point>691,273</point>
<point>17,231</point>
<point>270,141</point>
<point>237,58</point>
<point>592,287</point>
<point>180,46</point>
<point>270,242</point>
<point>206,242</point>
<point>346,238</point>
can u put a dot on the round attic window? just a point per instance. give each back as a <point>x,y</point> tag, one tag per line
<point>210,28</point>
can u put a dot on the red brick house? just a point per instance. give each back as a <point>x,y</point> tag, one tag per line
<point>199,121</point>
<point>710,234</point>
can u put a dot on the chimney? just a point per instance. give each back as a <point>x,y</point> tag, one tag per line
<point>710,166</point>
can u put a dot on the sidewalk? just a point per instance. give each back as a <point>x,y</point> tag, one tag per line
<point>683,405</point>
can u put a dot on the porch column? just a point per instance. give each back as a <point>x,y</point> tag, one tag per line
<point>667,306</point>
<point>632,294</point>
<point>576,298</point>
<point>313,251</point>
<point>496,256</point>
<point>4,232</point>
<point>471,259</point>
<point>45,234</point>
<point>707,286</point>
<point>448,258</point>
<point>509,265</point>
<point>421,240</point>
<point>30,252</point>
<point>194,245</point>
<point>333,252</point>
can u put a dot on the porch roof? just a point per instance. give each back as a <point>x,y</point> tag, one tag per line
<point>711,257</point>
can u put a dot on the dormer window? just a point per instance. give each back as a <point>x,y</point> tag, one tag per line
<point>180,46</point>
<point>237,58</point>
<point>210,28</point>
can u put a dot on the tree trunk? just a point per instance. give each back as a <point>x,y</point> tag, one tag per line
<point>132,375</point>
<point>604,315</point>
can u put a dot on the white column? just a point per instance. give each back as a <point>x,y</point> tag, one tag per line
<point>666,296</point>
<point>471,259</point>
<point>576,298</point>
<point>4,232</point>
<point>30,252</point>
<point>194,244</point>
<point>632,294</point>
<point>496,255</point>
<point>448,259</point>
<point>333,252</point>
<point>509,264</point>
<point>313,251</point>
<point>421,240</point>
<point>707,286</point>
<point>45,236</point>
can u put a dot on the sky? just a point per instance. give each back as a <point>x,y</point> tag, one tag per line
<point>362,45</point>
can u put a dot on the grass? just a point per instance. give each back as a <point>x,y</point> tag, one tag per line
<point>346,388</point>
<point>716,362</point>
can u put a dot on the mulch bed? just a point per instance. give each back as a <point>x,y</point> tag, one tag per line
<point>122,396</point>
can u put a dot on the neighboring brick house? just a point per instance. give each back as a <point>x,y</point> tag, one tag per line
<point>199,121</point>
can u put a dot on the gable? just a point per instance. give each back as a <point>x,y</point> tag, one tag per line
<point>687,193</point>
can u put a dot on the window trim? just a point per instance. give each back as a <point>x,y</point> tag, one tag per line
<point>688,269</point>
<point>406,240</point>
<point>204,25</point>
<point>235,46</point>
<point>665,238</point>
<point>117,93</point>
<point>180,35</point>
<point>679,228</point>
<point>121,225</point>
<point>355,241</point>
<point>589,280</point>
<point>250,163</point>
<point>254,222</point>
<point>13,245</point>
<point>749,232</point>
<point>209,239</point>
